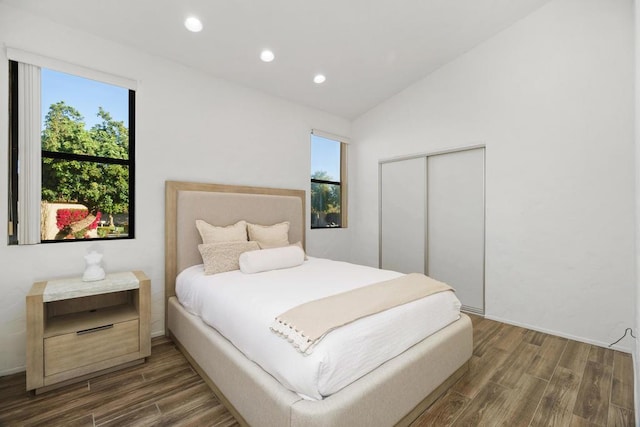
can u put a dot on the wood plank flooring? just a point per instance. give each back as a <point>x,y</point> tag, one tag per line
<point>518,377</point>
<point>165,391</point>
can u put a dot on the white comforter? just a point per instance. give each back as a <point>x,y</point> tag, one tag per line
<point>242,306</point>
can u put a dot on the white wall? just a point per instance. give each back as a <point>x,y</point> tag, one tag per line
<point>190,126</point>
<point>552,99</point>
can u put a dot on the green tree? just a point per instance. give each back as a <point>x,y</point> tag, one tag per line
<point>325,198</point>
<point>112,139</point>
<point>99,186</point>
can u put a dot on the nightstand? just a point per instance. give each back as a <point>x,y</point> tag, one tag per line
<point>77,330</point>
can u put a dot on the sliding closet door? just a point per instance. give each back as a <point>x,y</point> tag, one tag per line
<point>402,214</point>
<point>455,223</point>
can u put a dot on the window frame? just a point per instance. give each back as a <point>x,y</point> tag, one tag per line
<point>342,183</point>
<point>15,156</point>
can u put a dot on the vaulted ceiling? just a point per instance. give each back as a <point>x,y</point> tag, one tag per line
<point>368,50</point>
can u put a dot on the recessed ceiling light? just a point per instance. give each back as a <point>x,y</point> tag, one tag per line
<point>319,78</point>
<point>267,56</point>
<point>193,24</point>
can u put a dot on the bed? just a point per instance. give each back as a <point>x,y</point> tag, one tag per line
<point>394,393</point>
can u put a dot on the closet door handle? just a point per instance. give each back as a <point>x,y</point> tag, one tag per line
<point>96,329</point>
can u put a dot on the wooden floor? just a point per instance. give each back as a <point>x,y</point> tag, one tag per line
<point>165,391</point>
<point>518,377</point>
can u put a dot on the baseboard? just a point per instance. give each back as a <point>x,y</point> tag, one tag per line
<point>558,333</point>
<point>157,334</point>
<point>12,371</point>
<point>472,310</point>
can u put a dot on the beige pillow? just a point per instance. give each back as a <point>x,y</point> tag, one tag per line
<point>275,235</point>
<point>221,257</point>
<point>214,234</point>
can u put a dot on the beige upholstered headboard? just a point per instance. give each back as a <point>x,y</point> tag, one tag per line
<point>221,205</point>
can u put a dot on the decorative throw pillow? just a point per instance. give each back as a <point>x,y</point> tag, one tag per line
<point>214,234</point>
<point>271,259</point>
<point>221,257</point>
<point>271,246</point>
<point>275,235</point>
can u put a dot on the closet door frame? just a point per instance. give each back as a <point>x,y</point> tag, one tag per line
<point>426,235</point>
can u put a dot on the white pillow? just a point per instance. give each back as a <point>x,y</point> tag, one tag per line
<point>272,235</point>
<point>271,246</point>
<point>214,234</point>
<point>271,259</point>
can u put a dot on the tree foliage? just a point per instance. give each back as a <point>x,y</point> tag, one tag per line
<point>325,201</point>
<point>99,186</point>
<point>325,198</point>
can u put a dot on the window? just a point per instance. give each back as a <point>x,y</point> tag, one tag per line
<point>72,162</point>
<point>328,181</point>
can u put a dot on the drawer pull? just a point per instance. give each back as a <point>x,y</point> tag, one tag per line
<point>96,329</point>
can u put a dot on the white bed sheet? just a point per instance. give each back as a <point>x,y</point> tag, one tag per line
<point>242,306</point>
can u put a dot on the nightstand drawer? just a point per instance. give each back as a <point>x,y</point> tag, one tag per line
<point>70,351</point>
